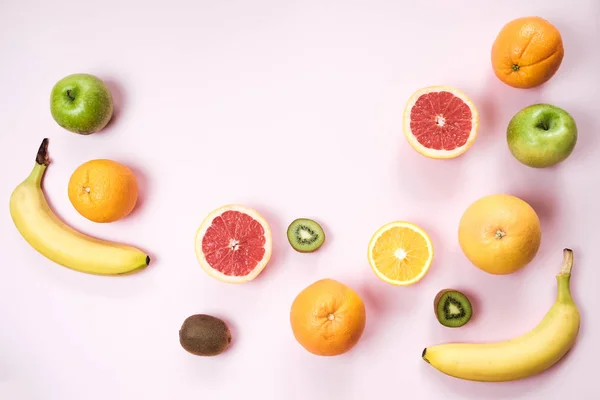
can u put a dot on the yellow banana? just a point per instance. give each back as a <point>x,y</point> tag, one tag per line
<point>51,237</point>
<point>523,356</point>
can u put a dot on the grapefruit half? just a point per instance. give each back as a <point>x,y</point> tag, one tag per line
<point>440,122</point>
<point>234,244</point>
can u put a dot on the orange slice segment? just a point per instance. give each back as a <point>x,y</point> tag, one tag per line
<point>400,253</point>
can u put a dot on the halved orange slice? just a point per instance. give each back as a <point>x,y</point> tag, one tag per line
<point>440,122</point>
<point>400,253</point>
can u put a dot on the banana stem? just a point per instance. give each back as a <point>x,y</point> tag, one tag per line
<point>564,277</point>
<point>567,264</point>
<point>42,154</point>
<point>42,160</point>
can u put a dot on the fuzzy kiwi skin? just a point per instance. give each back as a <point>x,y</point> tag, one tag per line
<point>204,335</point>
<point>437,299</point>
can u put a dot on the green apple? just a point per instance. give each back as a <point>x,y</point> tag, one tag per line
<point>541,135</point>
<point>81,103</point>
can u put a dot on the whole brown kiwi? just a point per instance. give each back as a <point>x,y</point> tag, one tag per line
<point>204,335</point>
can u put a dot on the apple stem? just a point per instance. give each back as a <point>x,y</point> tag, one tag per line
<point>69,95</point>
<point>42,154</point>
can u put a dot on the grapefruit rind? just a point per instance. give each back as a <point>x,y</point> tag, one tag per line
<point>400,224</point>
<point>207,222</point>
<point>433,153</point>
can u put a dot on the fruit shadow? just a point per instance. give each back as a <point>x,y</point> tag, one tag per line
<point>546,207</point>
<point>587,139</point>
<point>119,103</point>
<point>427,178</point>
<point>497,103</point>
<point>465,389</point>
<point>143,189</point>
<point>382,300</point>
<point>329,237</point>
<point>119,286</point>
<point>576,57</point>
<point>495,390</point>
<point>209,370</point>
<point>544,202</point>
<point>554,372</point>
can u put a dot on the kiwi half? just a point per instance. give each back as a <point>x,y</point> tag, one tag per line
<point>452,308</point>
<point>305,235</point>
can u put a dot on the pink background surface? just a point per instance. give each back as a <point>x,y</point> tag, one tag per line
<point>293,108</point>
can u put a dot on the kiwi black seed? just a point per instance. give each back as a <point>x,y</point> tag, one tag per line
<point>305,235</point>
<point>204,335</point>
<point>452,308</point>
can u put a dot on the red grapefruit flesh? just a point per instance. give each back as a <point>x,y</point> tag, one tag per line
<point>440,122</point>
<point>234,244</point>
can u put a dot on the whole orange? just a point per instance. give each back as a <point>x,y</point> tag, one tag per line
<point>527,52</point>
<point>103,190</point>
<point>500,233</point>
<point>328,318</point>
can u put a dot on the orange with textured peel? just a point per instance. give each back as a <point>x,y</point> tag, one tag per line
<point>527,52</point>
<point>500,233</point>
<point>103,190</point>
<point>328,318</point>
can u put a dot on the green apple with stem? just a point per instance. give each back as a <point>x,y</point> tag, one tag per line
<point>81,103</point>
<point>541,135</point>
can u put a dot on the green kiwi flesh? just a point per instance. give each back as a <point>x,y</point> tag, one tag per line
<point>204,335</point>
<point>452,308</point>
<point>305,235</point>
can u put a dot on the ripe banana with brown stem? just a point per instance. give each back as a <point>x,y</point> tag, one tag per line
<point>523,356</point>
<point>59,242</point>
